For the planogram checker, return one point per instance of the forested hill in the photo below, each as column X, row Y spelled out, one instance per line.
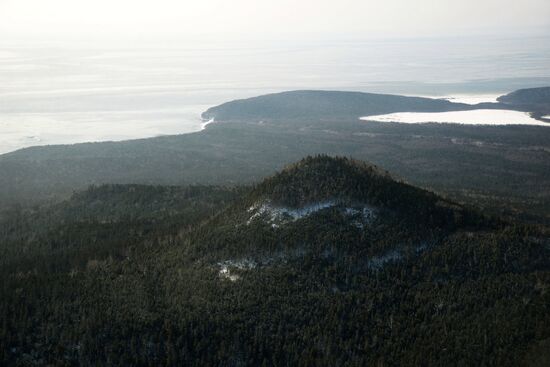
column 343, row 180
column 327, row 105
column 528, row 96
column 329, row 262
column 314, row 105
column 504, row 167
column 534, row 100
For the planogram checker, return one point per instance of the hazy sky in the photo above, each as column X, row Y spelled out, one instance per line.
column 259, row 18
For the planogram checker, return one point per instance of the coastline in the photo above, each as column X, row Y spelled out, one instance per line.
column 25, row 130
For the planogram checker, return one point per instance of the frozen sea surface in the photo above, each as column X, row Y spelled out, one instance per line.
column 58, row 92
column 24, row 129
column 473, row 117
column 472, row 98
column 466, row 98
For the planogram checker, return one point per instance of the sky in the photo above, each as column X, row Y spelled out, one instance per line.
column 265, row 18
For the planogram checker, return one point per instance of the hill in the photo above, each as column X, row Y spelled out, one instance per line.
column 331, row 261
column 348, row 193
column 533, row 100
column 346, row 181
column 529, row 96
column 324, row 105
column 502, row 167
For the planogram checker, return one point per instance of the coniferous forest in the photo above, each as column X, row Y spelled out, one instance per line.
column 247, row 183
column 330, row 262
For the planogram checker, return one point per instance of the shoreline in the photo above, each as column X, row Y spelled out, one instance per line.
column 31, row 129
column 34, row 129
column 201, row 127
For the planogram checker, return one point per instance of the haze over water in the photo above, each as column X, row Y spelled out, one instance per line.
column 62, row 93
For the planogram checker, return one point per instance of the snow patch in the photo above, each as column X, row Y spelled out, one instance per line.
column 279, row 214
column 227, row 268
column 362, row 215
column 378, row 262
column 396, row 254
column 206, row 122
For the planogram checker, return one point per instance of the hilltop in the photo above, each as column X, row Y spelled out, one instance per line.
column 331, row 197
column 339, row 178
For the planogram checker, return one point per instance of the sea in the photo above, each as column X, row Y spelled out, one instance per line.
column 66, row 92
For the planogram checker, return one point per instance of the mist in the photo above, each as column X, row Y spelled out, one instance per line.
column 218, row 19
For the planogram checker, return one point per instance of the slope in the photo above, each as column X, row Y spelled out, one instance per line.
column 329, row 262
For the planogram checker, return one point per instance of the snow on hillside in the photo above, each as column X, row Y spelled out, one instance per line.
column 278, row 215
